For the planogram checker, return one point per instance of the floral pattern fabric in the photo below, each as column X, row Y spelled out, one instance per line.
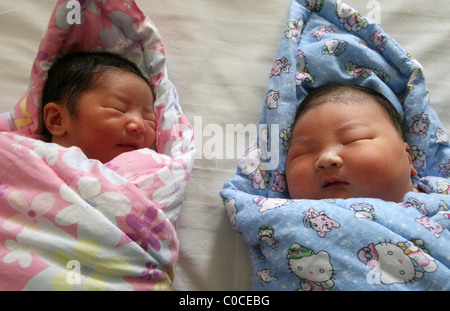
column 72, row 223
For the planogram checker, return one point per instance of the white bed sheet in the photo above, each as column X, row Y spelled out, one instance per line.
column 220, row 53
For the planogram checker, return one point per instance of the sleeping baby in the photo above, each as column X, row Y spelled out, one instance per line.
column 99, row 102
column 94, row 166
column 354, row 219
column 359, row 199
column 347, row 142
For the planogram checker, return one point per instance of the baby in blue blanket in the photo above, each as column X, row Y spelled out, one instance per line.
column 348, row 142
column 367, row 205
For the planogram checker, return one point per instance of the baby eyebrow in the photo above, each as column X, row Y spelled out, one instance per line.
column 120, row 97
column 351, row 125
column 301, row 141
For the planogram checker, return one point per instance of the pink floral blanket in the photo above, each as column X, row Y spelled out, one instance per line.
column 71, row 223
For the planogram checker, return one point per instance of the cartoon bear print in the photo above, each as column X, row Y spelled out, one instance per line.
column 319, row 32
column 420, row 125
column 280, row 67
column 279, row 182
column 319, row 221
column 267, row 235
column 431, row 225
column 379, row 40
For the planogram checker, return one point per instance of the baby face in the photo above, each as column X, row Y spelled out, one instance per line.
column 114, row 117
column 346, row 150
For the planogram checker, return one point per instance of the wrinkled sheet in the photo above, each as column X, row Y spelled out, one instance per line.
column 353, row 244
column 71, row 223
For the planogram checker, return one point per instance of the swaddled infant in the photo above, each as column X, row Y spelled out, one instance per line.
column 99, row 102
column 347, row 141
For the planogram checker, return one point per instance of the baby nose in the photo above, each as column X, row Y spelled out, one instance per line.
column 136, row 125
column 328, row 159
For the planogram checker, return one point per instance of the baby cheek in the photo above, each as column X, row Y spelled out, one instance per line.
column 150, row 138
column 377, row 165
column 298, row 179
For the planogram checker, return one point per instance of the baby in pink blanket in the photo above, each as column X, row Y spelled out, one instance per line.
column 96, row 158
column 99, row 102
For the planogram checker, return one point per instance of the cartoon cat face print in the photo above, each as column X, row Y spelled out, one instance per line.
column 314, row 270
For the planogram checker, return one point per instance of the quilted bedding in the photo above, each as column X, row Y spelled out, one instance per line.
column 71, row 223
column 336, row 244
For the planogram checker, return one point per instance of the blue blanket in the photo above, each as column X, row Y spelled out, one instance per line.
column 336, row 244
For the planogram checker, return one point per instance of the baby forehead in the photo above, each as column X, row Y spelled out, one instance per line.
column 355, row 105
column 350, row 97
column 342, row 116
column 360, row 102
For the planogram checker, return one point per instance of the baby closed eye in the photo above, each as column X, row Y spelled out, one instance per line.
column 300, row 150
column 356, row 140
column 116, row 107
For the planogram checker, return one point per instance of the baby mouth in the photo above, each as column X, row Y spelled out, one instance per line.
column 129, row 146
column 333, row 182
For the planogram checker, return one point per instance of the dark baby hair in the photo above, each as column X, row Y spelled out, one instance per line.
column 78, row 72
column 338, row 91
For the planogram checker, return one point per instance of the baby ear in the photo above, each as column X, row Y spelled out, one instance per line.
column 408, row 153
column 54, row 119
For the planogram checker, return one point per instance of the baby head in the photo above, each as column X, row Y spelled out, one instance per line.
column 347, row 142
column 99, row 102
